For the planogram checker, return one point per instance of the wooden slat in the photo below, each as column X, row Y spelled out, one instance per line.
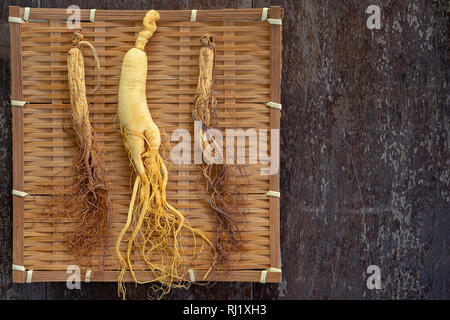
column 111, row 276
column 17, row 126
column 57, row 130
column 275, row 114
column 166, row 15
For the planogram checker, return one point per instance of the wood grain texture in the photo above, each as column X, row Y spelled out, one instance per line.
column 364, row 113
column 17, row 126
column 365, row 153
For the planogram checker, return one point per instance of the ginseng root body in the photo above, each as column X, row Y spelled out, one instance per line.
column 154, row 226
column 221, row 179
column 87, row 201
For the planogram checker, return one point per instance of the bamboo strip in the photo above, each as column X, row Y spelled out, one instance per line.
column 275, row 114
column 18, row 163
column 253, row 15
column 111, row 276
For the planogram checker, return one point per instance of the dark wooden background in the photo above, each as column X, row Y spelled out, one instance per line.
column 365, row 153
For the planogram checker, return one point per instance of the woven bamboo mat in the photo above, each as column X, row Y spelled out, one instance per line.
column 247, row 75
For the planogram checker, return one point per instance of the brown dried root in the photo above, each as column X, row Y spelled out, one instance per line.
column 226, row 200
column 88, row 200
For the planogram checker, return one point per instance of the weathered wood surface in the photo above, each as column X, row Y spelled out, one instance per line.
column 365, row 154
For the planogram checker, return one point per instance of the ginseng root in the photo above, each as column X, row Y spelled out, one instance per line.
column 88, row 200
column 226, row 200
column 154, row 225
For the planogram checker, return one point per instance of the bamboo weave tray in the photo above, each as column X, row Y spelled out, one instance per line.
column 248, row 75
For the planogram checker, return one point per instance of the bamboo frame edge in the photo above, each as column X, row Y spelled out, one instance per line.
column 18, row 156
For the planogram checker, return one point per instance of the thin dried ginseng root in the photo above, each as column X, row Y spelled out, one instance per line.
column 221, row 180
column 153, row 226
column 87, row 199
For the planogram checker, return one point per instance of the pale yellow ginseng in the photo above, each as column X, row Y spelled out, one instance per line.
column 154, row 226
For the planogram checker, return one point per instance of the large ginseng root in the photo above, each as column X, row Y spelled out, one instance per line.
column 88, row 200
column 154, row 226
column 226, row 199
